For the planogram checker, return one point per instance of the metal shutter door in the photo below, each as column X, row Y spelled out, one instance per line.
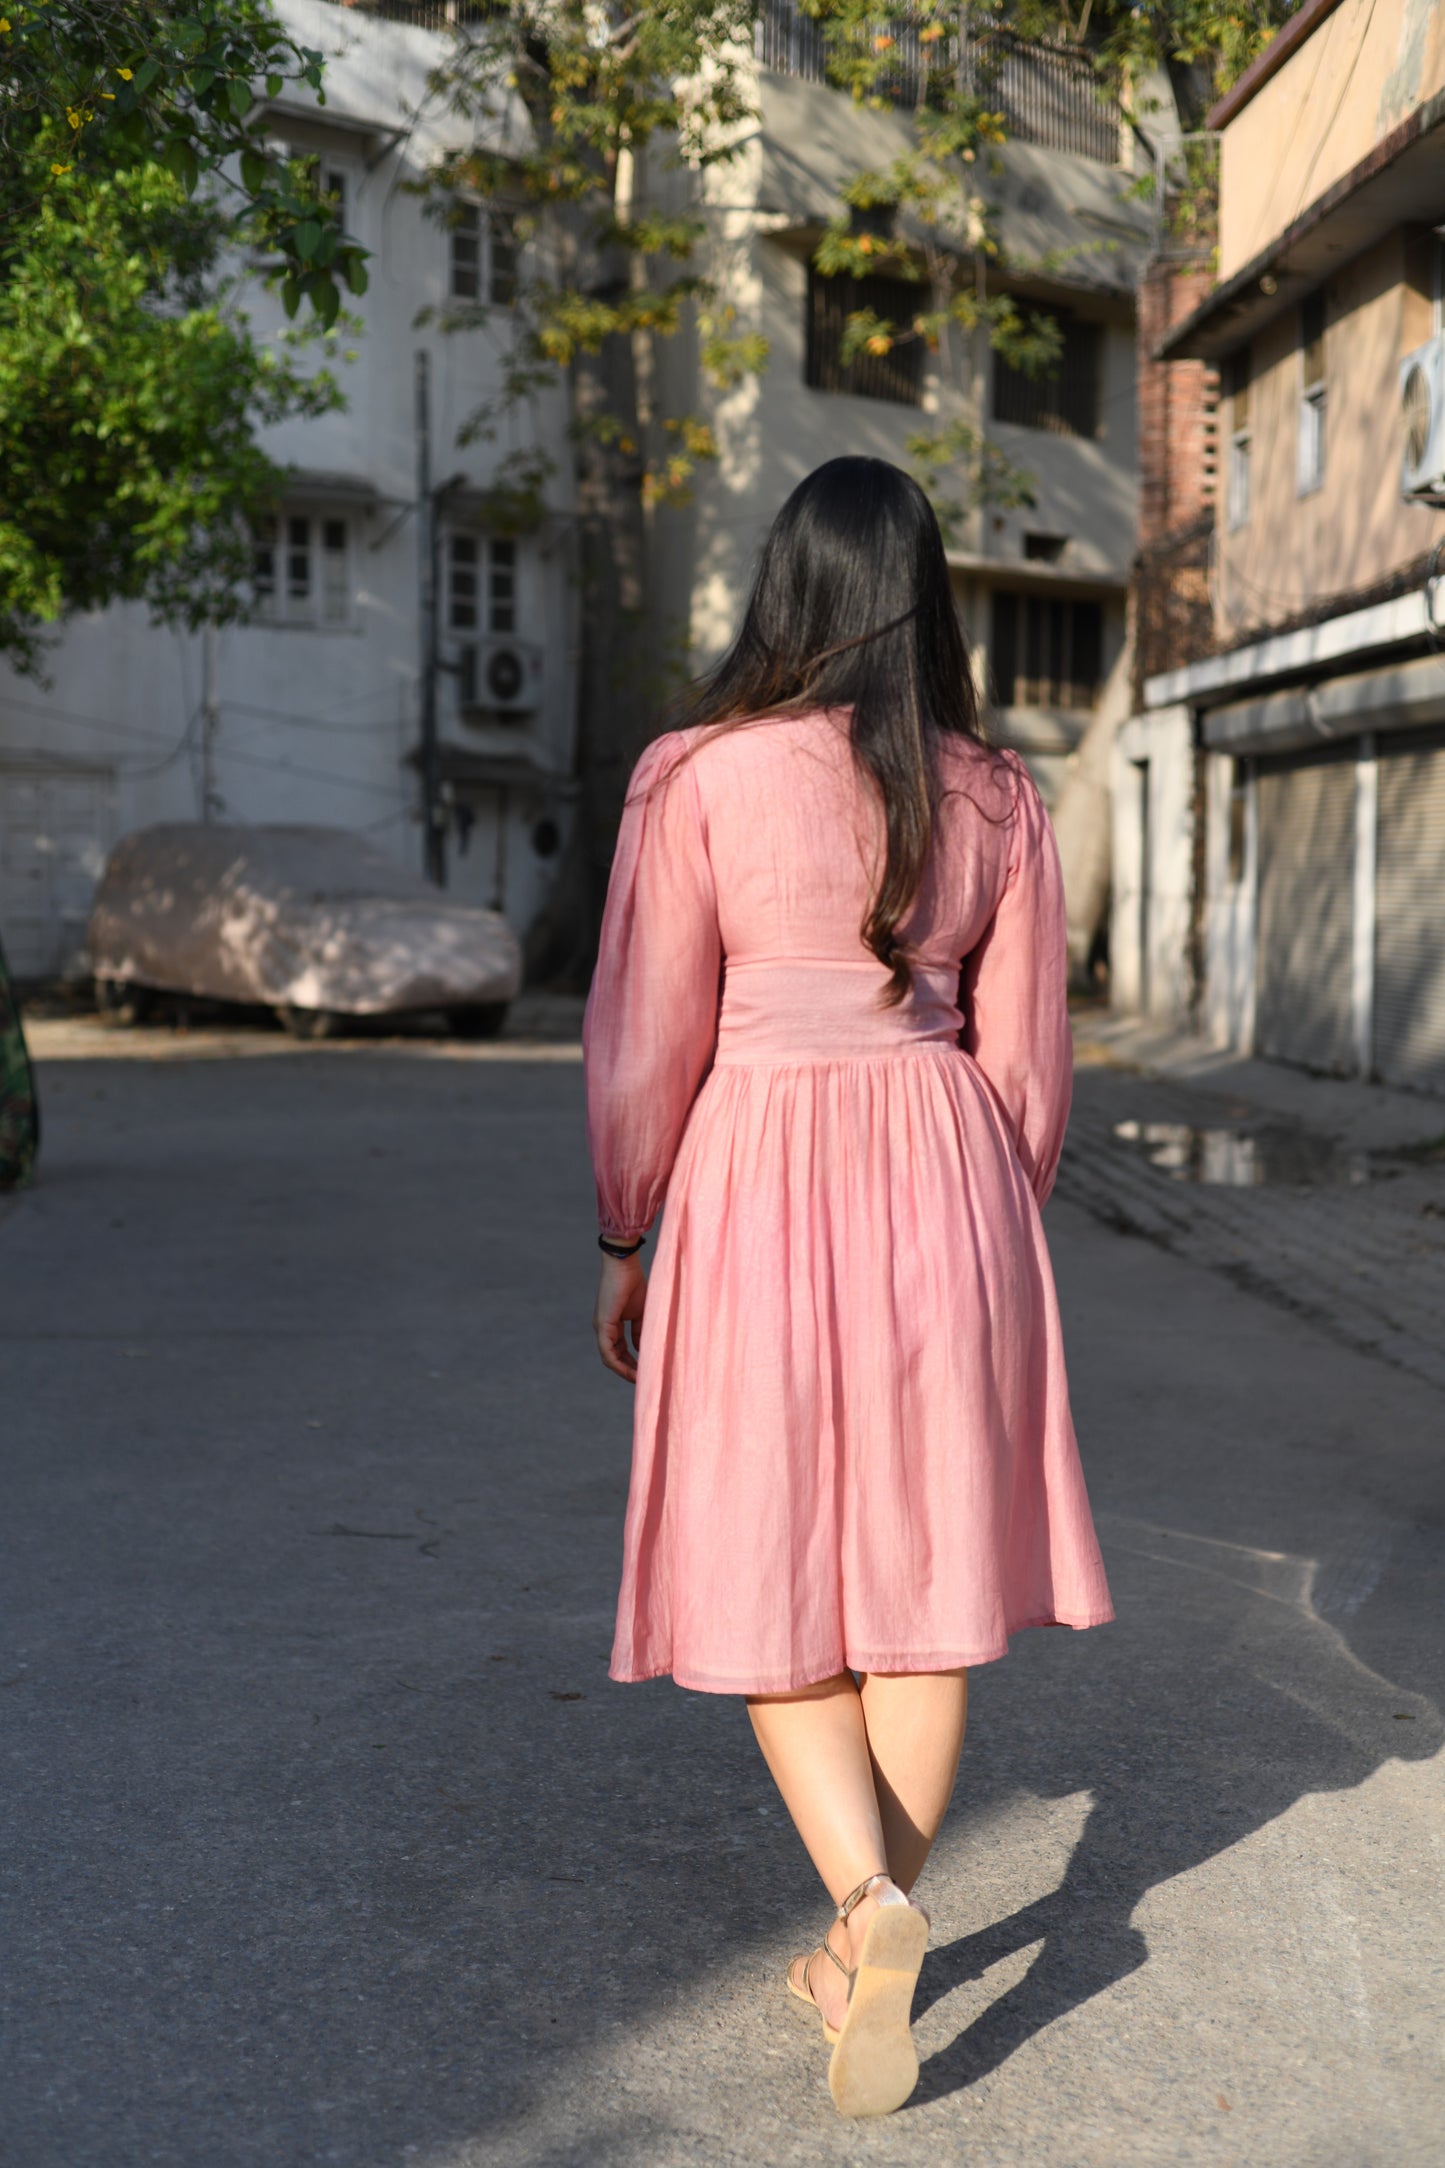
column 1410, row 920
column 1306, row 914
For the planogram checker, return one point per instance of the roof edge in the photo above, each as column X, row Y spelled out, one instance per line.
column 1286, row 40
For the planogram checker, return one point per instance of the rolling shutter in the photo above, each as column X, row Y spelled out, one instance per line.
column 1410, row 920
column 1306, row 914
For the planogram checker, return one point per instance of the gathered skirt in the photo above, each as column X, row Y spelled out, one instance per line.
column 852, row 1438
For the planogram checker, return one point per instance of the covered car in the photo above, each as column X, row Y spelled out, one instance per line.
column 318, row 924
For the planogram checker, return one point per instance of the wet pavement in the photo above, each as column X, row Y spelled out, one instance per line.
column 328, row 1840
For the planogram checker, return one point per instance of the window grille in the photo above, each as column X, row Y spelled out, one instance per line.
column 1047, row 650
column 466, row 252
column 896, row 375
column 1311, row 471
column 1066, row 403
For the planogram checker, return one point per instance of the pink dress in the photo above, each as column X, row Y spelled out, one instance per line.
column 852, row 1440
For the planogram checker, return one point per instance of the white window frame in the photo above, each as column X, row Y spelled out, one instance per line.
column 482, row 584
column 492, row 234
column 1310, row 449
column 304, row 569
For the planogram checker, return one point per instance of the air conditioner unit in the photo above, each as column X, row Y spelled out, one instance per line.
column 499, row 680
column 1422, row 413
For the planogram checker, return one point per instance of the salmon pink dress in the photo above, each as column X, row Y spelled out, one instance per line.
column 852, row 1442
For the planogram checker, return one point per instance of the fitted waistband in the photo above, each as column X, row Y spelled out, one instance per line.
column 829, row 1011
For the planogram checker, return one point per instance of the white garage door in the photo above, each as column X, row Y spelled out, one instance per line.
column 56, row 827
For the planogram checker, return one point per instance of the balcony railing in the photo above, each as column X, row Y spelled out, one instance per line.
column 1047, row 94
column 426, row 14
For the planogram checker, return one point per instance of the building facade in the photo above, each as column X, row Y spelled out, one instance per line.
column 1042, row 591
column 311, row 712
column 1280, row 790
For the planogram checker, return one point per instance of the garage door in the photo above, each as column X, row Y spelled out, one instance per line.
column 55, row 830
column 1410, row 919
column 1306, row 914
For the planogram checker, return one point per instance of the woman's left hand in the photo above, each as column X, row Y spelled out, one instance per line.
column 621, row 1298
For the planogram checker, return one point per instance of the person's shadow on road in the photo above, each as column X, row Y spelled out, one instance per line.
column 1287, row 1706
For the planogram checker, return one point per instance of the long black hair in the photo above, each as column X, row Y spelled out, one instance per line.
column 852, row 608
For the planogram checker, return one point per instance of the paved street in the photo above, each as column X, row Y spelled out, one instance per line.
column 329, row 1841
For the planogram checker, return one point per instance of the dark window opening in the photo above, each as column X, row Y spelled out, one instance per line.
column 1047, row 651
column 1065, row 403
column 896, row 375
column 1045, row 549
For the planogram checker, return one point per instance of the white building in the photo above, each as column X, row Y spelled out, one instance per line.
column 312, row 712
column 1042, row 591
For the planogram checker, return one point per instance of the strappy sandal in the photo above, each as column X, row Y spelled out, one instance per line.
column 874, row 2066
column 805, row 1992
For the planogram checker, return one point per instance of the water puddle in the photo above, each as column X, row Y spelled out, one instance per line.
column 1244, row 1159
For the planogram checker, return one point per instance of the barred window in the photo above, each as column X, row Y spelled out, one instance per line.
column 1047, row 650
column 1066, row 403
column 1241, row 438
column 1311, row 462
column 896, row 375
column 481, row 583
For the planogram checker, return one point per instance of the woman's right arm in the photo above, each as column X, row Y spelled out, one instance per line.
column 650, row 1027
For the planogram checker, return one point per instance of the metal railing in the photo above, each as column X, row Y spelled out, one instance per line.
column 425, row 14
column 1048, row 94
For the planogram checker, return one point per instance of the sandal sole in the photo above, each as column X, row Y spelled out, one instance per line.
column 875, row 2064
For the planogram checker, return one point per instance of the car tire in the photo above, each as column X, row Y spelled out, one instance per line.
column 483, row 1021
column 310, row 1024
column 121, row 1001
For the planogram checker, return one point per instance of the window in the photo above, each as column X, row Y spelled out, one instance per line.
column 1066, row 403
column 1312, row 394
column 482, row 583
column 1046, row 652
column 301, row 569
column 1046, row 549
column 1238, row 821
column 1237, row 485
column 896, row 375
column 483, row 255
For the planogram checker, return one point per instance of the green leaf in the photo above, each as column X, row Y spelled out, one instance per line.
column 357, row 276
column 290, row 295
column 145, row 75
column 253, row 172
column 274, row 85
column 238, row 94
column 306, row 239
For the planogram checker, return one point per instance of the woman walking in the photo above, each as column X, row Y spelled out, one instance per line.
column 854, row 1470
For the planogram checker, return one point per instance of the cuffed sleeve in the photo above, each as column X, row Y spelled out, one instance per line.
column 650, row 1027
column 1016, row 1022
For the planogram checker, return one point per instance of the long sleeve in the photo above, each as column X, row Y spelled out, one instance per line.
column 1016, row 1023
column 650, row 1027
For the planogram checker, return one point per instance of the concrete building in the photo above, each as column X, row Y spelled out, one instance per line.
column 311, row 713
column 1280, row 793
column 1042, row 591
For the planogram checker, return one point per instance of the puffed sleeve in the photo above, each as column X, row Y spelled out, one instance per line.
column 650, row 1027
column 1016, row 1016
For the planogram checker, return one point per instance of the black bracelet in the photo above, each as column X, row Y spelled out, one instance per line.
column 618, row 1249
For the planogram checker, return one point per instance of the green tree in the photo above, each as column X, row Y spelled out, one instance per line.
column 134, row 171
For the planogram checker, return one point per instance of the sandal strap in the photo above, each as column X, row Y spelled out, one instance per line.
column 826, row 1946
column 855, row 1897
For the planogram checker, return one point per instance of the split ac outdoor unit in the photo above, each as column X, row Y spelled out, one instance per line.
column 499, row 680
column 1422, row 414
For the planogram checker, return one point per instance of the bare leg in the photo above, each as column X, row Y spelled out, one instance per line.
column 915, row 1726
column 815, row 1743
column 866, row 1778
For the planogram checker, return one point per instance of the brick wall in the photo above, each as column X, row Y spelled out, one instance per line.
column 1178, row 462
column 1177, row 407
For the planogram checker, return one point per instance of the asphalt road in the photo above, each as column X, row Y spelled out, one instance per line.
column 328, row 1840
